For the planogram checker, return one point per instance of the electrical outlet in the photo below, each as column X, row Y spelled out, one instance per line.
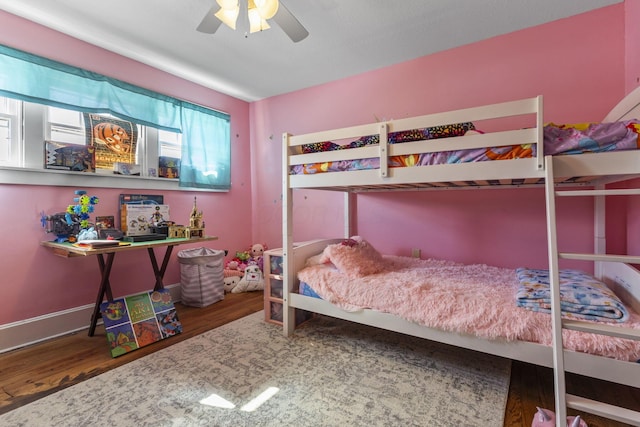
column 415, row 253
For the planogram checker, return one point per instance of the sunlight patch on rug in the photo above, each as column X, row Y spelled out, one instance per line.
column 246, row 373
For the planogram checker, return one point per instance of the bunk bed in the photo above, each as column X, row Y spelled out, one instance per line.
column 498, row 145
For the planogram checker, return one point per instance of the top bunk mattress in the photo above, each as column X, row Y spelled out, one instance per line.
column 503, row 144
column 564, row 139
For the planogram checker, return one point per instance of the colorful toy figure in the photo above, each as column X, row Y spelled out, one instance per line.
column 69, row 224
column 58, row 225
column 547, row 418
column 196, row 224
column 82, row 208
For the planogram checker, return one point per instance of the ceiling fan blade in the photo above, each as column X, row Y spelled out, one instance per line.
column 289, row 24
column 210, row 23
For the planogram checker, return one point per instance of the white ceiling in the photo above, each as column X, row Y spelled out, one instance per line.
column 347, row 37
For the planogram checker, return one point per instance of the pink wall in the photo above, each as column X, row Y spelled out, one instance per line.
column 564, row 60
column 632, row 47
column 632, row 72
column 35, row 282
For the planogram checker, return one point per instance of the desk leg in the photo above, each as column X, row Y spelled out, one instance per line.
column 159, row 272
column 105, row 288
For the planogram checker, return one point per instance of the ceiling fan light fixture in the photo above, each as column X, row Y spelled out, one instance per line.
column 258, row 12
column 256, row 21
column 228, row 16
column 228, row 4
column 267, row 8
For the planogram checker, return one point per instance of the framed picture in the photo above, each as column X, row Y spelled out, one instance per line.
column 70, row 157
column 168, row 167
column 106, row 221
column 113, row 140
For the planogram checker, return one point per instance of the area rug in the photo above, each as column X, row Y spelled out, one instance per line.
column 246, row 373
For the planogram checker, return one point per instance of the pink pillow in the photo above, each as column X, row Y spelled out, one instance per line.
column 356, row 258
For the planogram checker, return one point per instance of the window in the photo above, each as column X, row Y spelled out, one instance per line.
column 10, row 119
column 67, row 127
column 50, row 102
column 170, row 144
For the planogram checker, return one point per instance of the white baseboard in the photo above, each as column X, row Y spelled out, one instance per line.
column 30, row 331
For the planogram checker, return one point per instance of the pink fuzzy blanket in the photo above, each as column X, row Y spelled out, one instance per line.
column 470, row 299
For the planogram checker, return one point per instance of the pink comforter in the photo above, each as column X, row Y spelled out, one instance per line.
column 470, row 299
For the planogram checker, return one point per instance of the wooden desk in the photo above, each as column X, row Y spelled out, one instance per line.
column 67, row 250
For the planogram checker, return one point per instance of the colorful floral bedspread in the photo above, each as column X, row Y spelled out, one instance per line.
column 582, row 297
column 558, row 139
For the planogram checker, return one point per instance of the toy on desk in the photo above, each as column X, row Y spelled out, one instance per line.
column 69, row 224
column 87, row 234
column 138, row 225
column 194, row 229
column 176, row 231
column 157, row 219
column 82, row 208
column 58, row 225
column 196, row 224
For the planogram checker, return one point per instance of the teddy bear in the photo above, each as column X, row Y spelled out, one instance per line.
column 253, row 280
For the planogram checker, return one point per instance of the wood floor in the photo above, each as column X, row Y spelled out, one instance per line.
column 33, row 372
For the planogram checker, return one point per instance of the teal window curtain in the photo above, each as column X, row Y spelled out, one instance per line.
column 205, row 162
column 36, row 79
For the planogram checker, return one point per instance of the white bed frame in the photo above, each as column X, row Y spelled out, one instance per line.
column 585, row 175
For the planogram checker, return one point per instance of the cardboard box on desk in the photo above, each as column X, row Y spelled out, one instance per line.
column 138, row 219
column 136, row 199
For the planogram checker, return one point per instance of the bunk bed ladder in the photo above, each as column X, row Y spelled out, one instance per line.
column 563, row 400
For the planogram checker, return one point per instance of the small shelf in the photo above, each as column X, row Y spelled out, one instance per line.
column 274, row 290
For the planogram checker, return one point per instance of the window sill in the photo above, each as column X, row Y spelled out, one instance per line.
column 23, row 176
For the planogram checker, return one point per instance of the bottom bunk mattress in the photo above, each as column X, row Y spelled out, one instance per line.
column 477, row 300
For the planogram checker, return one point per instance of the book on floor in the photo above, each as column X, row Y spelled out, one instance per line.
column 138, row 320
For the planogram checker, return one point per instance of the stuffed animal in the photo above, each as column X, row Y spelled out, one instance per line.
column 230, row 282
column 252, row 280
column 239, row 261
column 232, row 265
column 87, row 234
column 256, row 252
column 232, row 275
column 547, row 418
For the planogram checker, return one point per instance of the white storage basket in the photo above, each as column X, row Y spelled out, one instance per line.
column 201, row 276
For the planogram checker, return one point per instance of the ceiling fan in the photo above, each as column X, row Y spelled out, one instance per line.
column 257, row 12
